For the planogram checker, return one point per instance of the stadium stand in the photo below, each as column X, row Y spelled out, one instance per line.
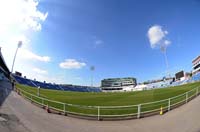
column 161, row 84
column 75, row 88
column 196, row 77
column 5, row 84
column 3, row 67
column 167, row 83
column 44, row 85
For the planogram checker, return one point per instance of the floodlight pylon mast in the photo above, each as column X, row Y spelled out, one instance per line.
column 18, row 46
column 92, row 68
column 164, row 51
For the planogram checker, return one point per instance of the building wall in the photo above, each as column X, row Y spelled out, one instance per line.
column 196, row 65
column 118, row 83
column 196, row 60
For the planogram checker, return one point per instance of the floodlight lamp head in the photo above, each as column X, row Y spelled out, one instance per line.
column 92, row 68
column 19, row 44
column 163, row 48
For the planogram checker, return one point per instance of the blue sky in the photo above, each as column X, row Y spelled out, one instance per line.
column 111, row 35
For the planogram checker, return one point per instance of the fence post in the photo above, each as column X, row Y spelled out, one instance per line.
column 99, row 113
column 169, row 103
column 186, row 97
column 139, row 110
column 197, row 91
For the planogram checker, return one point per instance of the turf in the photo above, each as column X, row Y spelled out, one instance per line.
column 113, row 99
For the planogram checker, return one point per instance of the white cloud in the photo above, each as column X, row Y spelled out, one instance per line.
column 167, row 42
column 72, row 64
column 98, row 42
column 26, row 54
column 20, row 37
column 19, row 20
column 157, row 37
column 39, row 71
column 45, row 77
column 20, row 15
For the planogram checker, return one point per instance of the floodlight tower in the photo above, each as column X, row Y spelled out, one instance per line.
column 92, row 68
column 18, row 46
column 163, row 49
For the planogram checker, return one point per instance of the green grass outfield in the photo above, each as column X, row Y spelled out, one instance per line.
column 113, row 99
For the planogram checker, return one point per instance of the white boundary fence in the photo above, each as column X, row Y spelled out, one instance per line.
column 112, row 112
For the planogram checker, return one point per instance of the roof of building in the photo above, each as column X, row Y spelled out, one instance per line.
column 198, row 57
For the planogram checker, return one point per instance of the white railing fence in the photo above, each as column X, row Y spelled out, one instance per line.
column 112, row 112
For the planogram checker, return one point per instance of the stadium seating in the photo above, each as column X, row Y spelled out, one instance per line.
column 34, row 83
column 24, row 81
column 161, row 84
column 196, row 77
column 81, row 88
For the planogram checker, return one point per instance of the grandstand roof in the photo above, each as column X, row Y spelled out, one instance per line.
column 3, row 65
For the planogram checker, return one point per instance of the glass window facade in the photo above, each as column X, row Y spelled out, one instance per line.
column 117, row 83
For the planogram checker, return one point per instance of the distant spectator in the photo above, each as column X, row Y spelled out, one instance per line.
column 13, row 84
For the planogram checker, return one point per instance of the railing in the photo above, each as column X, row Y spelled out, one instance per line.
column 113, row 112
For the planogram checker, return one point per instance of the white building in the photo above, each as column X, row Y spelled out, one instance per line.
column 196, row 65
column 118, row 84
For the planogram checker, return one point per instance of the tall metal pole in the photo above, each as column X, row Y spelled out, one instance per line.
column 18, row 46
column 167, row 64
column 164, row 51
column 92, row 68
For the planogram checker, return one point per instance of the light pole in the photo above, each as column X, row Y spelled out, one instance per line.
column 18, row 46
column 92, row 68
column 164, row 51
